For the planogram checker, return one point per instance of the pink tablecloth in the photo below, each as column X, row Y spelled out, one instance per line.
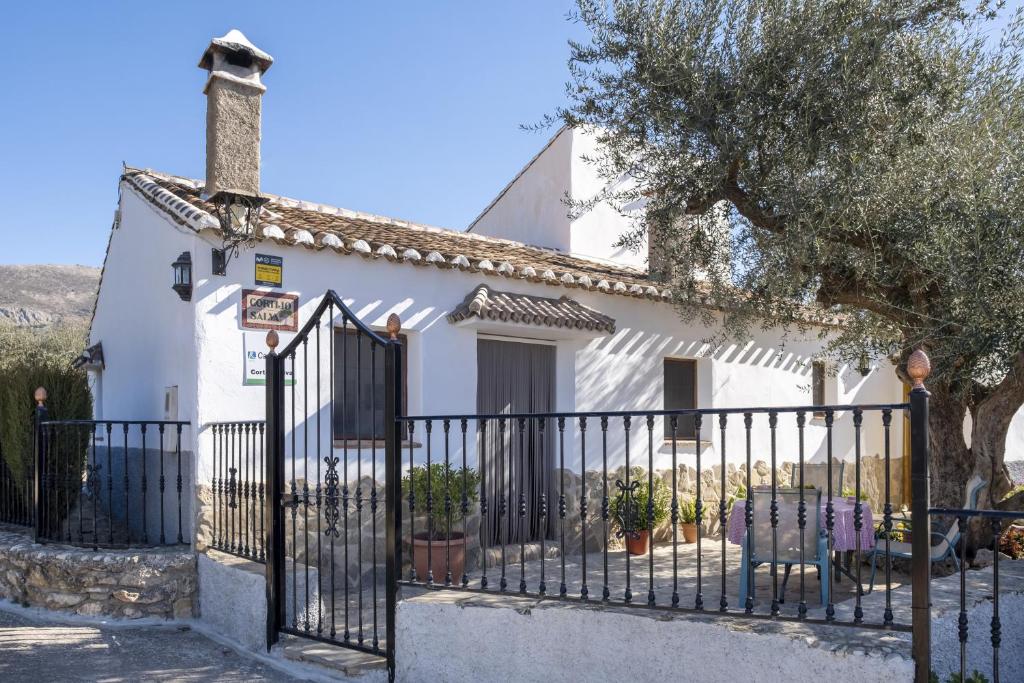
column 844, row 533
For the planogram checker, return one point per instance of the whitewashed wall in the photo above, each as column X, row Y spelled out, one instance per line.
column 621, row 372
column 532, row 208
column 147, row 331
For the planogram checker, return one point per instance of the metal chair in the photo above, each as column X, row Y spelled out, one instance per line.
column 787, row 533
column 816, row 475
column 941, row 551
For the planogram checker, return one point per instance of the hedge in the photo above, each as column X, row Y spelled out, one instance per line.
column 32, row 359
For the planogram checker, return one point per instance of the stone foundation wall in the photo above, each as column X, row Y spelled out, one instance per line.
column 159, row 582
column 309, row 526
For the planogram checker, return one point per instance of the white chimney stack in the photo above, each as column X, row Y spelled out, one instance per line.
column 233, row 100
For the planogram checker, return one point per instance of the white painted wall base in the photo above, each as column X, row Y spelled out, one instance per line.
column 491, row 638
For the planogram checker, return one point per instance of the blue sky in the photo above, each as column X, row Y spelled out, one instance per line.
column 407, row 109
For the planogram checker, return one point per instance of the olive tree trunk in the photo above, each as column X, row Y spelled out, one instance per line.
column 954, row 461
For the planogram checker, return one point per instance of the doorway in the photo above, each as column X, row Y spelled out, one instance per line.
column 516, row 378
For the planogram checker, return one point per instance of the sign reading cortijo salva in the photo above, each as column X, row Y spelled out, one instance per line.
column 270, row 310
column 269, row 270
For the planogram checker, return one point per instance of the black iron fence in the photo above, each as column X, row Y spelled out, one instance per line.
column 15, row 493
column 995, row 522
column 111, row 483
column 238, row 492
column 574, row 506
column 100, row 483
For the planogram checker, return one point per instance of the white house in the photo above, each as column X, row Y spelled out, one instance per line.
column 525, row 311
column 521, row 273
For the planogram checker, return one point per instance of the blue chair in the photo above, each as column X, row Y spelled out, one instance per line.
column 759, row 551
column 941, row 551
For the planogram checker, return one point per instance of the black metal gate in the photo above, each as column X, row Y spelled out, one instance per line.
column 333, row 393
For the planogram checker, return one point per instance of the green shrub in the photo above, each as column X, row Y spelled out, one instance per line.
column 444, row 479
column 739, row 494
column 850, row 492
column 688, row 510
column 33, row 359
column 661, row 498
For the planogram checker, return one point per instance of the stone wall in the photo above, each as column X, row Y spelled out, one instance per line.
column 311, row 527
column 155, row 582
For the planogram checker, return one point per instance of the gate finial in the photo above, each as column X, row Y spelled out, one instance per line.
column 272, row 339
column 394, row 325
column 918, row 368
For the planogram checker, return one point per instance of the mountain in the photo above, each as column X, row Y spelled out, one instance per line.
column 40, row 295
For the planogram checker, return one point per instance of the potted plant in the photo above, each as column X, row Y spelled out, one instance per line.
column 688, row 519
column 442, row 534
column 630, row 508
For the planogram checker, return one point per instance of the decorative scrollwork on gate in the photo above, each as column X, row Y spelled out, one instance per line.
column 331, row 514
column 232, row 489
column 627, row 511
column 92, row 481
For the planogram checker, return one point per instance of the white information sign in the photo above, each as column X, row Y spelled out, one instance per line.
column 256, row 361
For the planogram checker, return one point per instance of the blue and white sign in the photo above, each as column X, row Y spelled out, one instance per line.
column 256, row 362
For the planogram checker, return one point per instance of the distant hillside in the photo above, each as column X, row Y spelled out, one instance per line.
column 37, row 296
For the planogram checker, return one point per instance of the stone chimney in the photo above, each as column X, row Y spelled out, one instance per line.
column 233, row 99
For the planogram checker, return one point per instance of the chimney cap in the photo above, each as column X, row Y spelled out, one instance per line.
column 234, row 42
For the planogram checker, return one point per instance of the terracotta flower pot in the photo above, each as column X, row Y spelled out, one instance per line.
column 636, row 544
column 439, row 552
column 689, row 532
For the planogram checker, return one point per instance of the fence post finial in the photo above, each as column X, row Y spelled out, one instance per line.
column 918, row 368
column 273, row 340
column 394, row 325
column 40, row 396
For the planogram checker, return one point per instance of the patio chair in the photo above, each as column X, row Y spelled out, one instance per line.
column 816, row 475
column 788, row 537
column 941, row 551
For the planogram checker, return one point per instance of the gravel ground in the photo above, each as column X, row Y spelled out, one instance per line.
column 35, row 651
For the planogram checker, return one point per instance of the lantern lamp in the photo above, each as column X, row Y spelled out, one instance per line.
column 864, row 366
column 182, row 267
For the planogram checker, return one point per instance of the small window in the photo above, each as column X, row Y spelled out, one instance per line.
column 359, row 385
column 680, row 379
column 818, row 386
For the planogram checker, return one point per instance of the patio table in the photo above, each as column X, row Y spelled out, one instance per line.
column 844, row 533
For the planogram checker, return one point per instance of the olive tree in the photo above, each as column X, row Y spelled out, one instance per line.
column 866, row 157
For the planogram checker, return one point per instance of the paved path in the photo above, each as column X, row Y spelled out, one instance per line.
column 34, row 651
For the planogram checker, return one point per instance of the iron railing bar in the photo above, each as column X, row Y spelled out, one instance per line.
column 773, row 422
column 699, row 513
column 858, row 514
column 870, row 407
column 584, row 590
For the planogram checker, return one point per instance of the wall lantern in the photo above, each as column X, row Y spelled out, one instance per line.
column 182, row 267
column 239, row 217
column 864, row 365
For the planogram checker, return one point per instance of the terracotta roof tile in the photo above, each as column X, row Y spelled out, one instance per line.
column 314, row 226
column 488, row 304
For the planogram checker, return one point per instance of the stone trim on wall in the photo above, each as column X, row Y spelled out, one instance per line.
column 129, row 584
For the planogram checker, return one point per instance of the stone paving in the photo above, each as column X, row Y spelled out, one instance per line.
column 639, row 570
column 32, row 651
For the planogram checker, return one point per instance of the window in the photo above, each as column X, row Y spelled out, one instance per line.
column 359, row 385
column 680, row 392
column 818, row 386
